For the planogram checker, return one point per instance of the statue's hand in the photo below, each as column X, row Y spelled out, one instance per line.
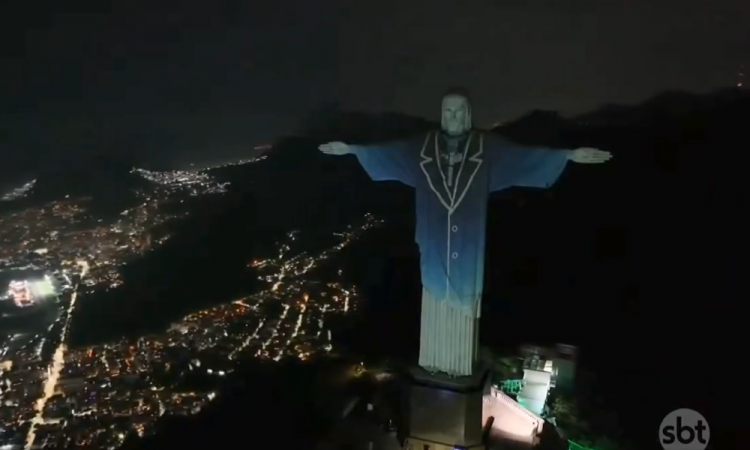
column 335, row 148
column 587, row 155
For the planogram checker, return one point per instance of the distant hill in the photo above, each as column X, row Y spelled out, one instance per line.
column 536, row 127
column 672, row 104
column 107, row 181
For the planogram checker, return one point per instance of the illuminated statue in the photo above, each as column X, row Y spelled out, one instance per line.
column 454, row 170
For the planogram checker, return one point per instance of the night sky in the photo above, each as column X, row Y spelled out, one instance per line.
column 209, row 80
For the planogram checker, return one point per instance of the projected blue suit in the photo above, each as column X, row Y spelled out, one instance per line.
column 451, row 200
column 453, row 171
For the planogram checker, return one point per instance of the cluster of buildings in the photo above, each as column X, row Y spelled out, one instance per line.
column 38, row 373
column 194, row 183
column 57, row 234
column 100, row 396
column 23, row 371
column 38, row 236
column 53, row 237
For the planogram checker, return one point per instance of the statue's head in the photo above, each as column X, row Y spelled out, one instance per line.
column 456, row 117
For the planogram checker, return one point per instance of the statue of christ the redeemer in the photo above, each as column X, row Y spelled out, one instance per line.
column 453, row 171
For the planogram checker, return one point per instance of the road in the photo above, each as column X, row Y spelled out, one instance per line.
column 58, row 362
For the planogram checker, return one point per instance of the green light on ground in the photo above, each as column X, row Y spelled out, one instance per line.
column 574, row 446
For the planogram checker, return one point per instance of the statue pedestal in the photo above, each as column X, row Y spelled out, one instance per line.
column 445, row 413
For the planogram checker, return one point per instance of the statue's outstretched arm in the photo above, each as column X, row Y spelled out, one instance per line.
column 390, row 161
column 512, row 164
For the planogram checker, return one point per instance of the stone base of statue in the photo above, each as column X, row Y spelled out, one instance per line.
column 445, row 413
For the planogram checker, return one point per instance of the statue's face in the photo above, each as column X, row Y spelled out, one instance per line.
column 456, row 118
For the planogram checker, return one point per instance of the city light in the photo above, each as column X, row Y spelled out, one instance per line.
column 53, row 373
column 66, row 243
column 19, row 192
column 80, row 399
column 194, row 182
column 54, row 395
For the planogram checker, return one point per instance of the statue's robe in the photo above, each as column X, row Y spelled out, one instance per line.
column 451, row 208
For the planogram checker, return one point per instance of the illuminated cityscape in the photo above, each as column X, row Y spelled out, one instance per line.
column 53, row 396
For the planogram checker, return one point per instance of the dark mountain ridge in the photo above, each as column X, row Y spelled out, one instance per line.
column 670, row 104
column 107, row 181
